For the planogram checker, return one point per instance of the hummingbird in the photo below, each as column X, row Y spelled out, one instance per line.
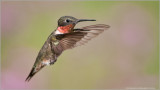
column 64, row 37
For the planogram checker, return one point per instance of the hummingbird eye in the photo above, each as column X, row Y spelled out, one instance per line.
column 67, row 20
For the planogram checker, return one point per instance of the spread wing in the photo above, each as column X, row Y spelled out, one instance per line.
column 81, row 36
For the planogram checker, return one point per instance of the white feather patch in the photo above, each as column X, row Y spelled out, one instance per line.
column 46, row 62
column 57, row 32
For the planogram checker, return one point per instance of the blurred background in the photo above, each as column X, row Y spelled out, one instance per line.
column 125, row 56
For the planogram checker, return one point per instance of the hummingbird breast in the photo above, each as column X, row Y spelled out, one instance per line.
column 65, row 29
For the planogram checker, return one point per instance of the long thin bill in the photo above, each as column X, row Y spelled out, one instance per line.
column 81, row 20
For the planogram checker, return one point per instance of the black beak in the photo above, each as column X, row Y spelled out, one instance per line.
column 81, row 20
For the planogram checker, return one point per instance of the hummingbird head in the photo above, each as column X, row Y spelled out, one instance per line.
column 67, row 23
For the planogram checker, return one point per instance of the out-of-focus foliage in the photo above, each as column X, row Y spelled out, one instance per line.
column 125, row 56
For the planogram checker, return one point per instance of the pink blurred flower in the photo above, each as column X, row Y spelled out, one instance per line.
column 12, row 80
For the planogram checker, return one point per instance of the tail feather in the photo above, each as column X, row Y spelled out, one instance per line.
column 32, row 73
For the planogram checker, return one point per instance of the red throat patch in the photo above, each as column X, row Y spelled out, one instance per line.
column 65, row 29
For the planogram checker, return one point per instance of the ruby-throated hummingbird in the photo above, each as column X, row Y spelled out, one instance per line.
column 64, row 37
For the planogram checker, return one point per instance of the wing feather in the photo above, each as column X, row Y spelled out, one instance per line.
column 81, row 36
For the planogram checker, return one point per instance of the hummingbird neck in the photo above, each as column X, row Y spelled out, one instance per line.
column 64, row 29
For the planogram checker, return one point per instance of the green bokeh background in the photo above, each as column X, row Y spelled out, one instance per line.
column 125, row 56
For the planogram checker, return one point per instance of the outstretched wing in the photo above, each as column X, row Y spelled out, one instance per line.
column 81, row 36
